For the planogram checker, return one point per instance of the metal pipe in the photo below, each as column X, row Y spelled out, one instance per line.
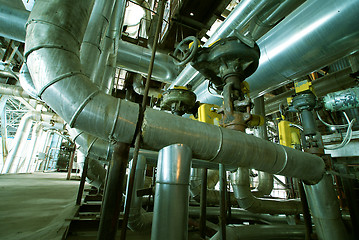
column 26, row 82
column 112, row 199
column 13, row 21
column 203, row 203
column 342, row 100
column 267, row 232
column 117, row 119
column 138, row 219
column 12, row 90
column 222, row 202
column 139, row 88
column 173, row 171
column 241, row 188
column 237, row 19
column 324, row 206
column 136, row 59
column 21, row 135
column 94, row 35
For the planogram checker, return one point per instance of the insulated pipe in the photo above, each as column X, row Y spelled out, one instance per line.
column 136, row 59
column 21, row 135
column 324, row 31
column 234, row 23
column 26, row 82
column 139, row 220
column 12, row 90
column 13, row 21
column 265, row 232
column 106, row 66
column 342, row 100
column 173, row 171
column 246, row 200
column 324, row 206
column 56, row 70
column 139, row 88
column 95, row 32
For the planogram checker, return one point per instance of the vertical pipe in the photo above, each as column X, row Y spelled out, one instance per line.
column 71, row 163
column 323, row 203
column 222, row 201
column 203, row 204
column 82, row 182
column 170, row 219
column 112, row 199
column 306, row 213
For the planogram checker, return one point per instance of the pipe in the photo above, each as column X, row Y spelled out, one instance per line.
column 139, row 220
column 56, row 72
column 12, row 90
column 342, row 100
column 139, row 88
column 267, row 232
column 112, row 199
column 325, row 32
column 324, row 206
column 26, row 82
column 237, row 19
column 173, row 171
column 107, row 63
column 324, row 36
column 13, row 21
column 21, row 135
column 136, row 59
column 241, row 188
column 93, row 38
column 266, row 20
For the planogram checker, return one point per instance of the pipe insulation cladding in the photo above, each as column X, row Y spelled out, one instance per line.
column 54, row 33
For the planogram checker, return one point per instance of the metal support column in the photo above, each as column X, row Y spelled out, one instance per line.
column 71, row 163
column 222, row 201
column 3, row 100
column 112, row 199
column 203, row 204
column 82, row 182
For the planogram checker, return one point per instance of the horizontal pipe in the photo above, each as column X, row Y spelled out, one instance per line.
column 342, row 100
column 13, row 21
column 12, row 90
column 246, row 200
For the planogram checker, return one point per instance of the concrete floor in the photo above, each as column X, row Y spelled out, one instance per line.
column 35, row 206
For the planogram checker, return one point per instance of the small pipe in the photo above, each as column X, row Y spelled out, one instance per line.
column 112, row 199
column 203, row 204
column 173, row 172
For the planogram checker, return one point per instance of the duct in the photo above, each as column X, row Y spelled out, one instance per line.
column 342, row 100
column 265, row 20
column 12, row 161
column 173, row 171
column 266, row 232
column 139, row 220
column 107, row 63
column 136, row 59
column 13, row 21
column 340, row 80
column 139, row 88
column 95, row 32
column 26, row 82
column 237, row 19
column 324, row 206
column 241, row 188
column 12, row 90
column 56, row 71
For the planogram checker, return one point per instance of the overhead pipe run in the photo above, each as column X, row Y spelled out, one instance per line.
column 56, row 70
column 12, row 90
column 246, row 200
column 172, row 185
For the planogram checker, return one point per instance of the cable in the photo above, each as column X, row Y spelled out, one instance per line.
column 213, row 94
column 335, row 126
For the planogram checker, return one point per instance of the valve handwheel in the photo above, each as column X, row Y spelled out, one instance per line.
column 183, row 53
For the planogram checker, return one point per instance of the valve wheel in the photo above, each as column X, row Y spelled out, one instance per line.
column 183, row 53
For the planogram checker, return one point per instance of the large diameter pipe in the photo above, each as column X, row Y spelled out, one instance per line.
column 12, row 90
column 324, row 206
column 13, row 21
column 56, row 70
column 313, row 36
column 342, row 100
column 172, row 187
column 239, row 17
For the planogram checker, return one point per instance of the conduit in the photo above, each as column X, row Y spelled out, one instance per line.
column 54, row 33
column 242, row 192
column 12, row 161
column 172, row 183
column 139, row 220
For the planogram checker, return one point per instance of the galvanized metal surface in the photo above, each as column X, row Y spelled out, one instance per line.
column 172, row 189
